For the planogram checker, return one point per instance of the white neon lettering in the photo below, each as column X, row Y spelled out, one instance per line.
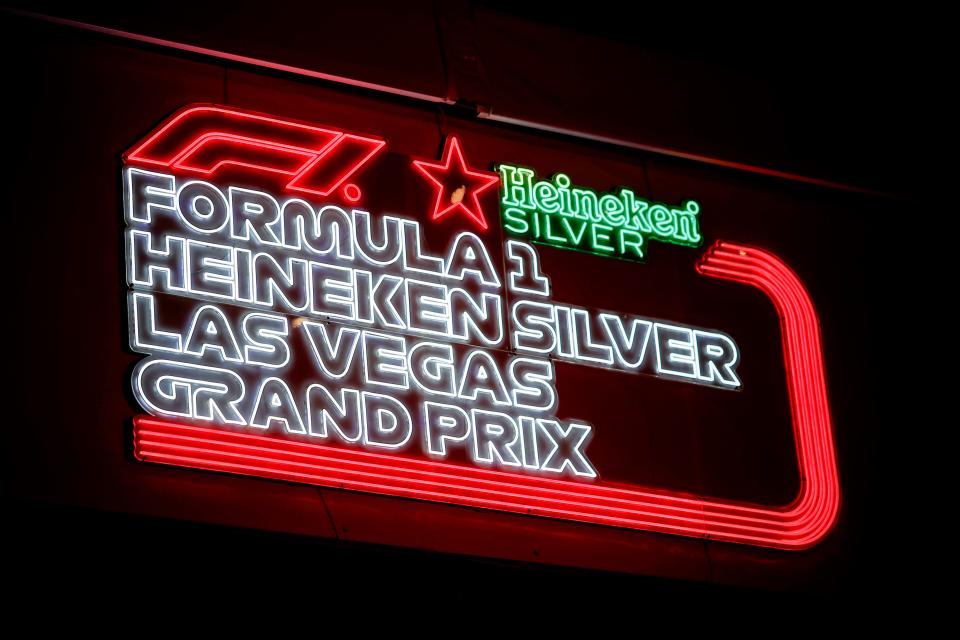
column 286, row 317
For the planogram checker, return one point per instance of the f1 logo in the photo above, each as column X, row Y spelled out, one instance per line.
column 206, row 139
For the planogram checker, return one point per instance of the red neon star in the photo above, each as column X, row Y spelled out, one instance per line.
column 456, row 185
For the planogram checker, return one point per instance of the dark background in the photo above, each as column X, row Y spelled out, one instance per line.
column 831, row 97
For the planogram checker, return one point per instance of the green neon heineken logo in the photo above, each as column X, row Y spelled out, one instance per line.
column 556, row 213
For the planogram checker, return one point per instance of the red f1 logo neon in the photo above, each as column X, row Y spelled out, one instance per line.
column 802, row 523
column 203, row 139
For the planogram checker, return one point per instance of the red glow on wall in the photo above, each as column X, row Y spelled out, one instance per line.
column 205, row 139
column 800, row 524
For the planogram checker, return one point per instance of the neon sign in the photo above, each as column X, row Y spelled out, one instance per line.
column 557, row 213
column 291, row 337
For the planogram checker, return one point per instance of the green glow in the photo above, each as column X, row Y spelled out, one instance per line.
column 561, row 214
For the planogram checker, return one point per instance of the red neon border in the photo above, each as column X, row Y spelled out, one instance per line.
column 798, row 525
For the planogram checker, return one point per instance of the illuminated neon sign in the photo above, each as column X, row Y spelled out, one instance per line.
column 290, row 336
column 560, row 214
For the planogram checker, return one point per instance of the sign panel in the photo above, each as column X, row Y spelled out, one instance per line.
column 294, row 331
